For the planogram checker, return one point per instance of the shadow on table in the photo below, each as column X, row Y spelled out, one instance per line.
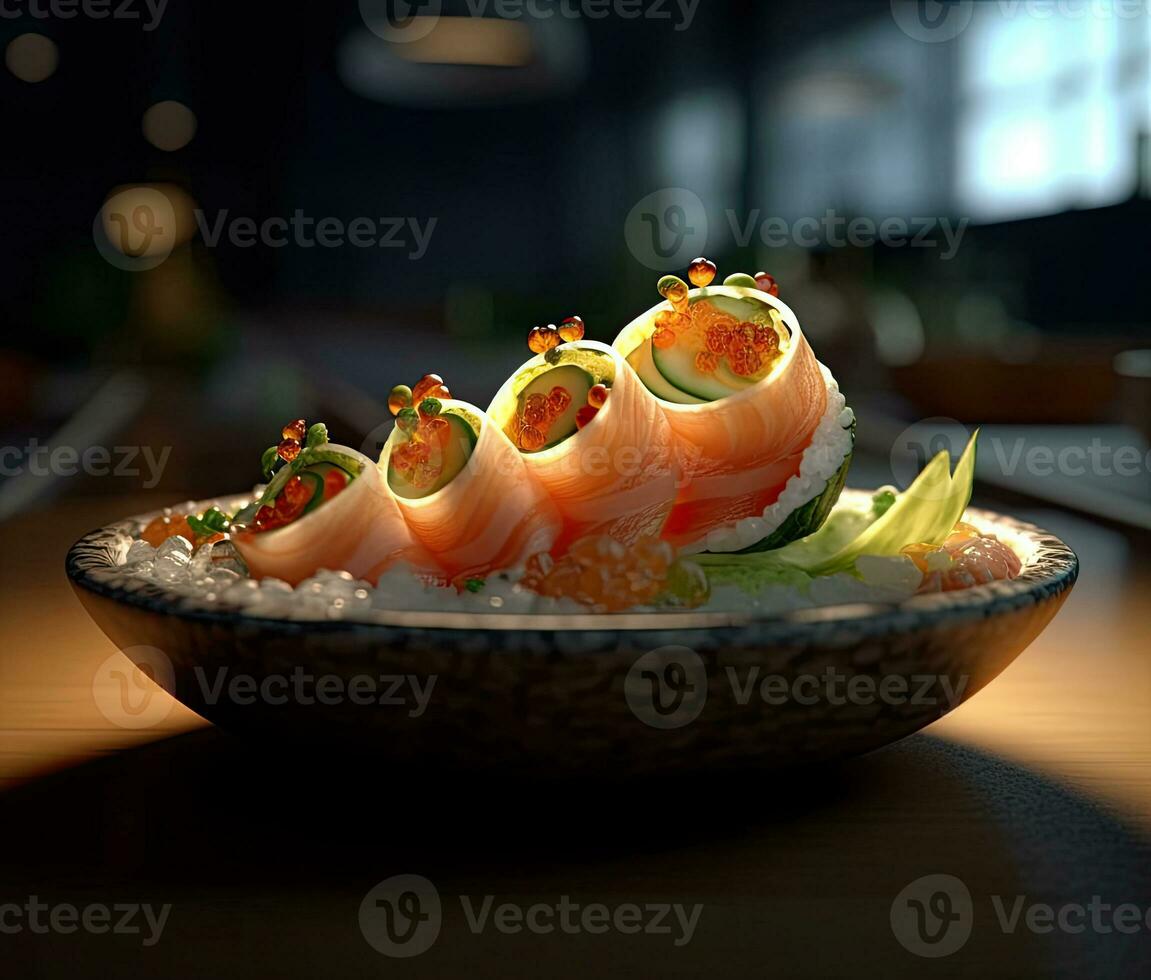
column 266, row 860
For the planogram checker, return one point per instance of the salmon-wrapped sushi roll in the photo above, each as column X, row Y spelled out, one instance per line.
column 327, row 508
column 593, row 436
column 762, row 432
column 461, row 485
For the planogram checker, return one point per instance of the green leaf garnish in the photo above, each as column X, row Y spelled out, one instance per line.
column 474, row 584
column 317, row 435
column 212, row 521
column 268, row 461
column 882, row 500
column 925, row 512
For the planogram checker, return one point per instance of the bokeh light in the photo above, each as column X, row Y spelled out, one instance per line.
column 169, row 125
column 32, row 57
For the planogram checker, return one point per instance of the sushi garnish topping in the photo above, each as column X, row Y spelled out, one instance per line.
column 600, row 572
column 767, row 283
column 532, row 425
column 543, row 339
column 585, row 415
column 750, row 347
column 430, row 386
column 701, row 272
column 674, row 290
column 288, row 449
column 571, row 329
column 419, row 455
column 399, row 398
column 966, row 558
column 597, row 396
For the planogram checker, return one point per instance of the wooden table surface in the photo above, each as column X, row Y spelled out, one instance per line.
column 1040, row 786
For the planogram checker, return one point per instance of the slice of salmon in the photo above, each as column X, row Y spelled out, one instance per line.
column 360, row 531
column 736, row 454
column 493, row 515
column 615, row 476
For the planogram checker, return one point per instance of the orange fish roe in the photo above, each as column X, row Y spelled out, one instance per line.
column 701, row 272
column 543, row 339
column 706, row 362
column 965, row 559
column 429, row 386
column 767, row 283
column 599, row 572
column 419, row 454
column 749, row 347
column 571, row 329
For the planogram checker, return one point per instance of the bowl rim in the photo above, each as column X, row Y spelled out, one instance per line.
column 1051, row 570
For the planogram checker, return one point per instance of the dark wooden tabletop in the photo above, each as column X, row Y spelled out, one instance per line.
column 1039, row 787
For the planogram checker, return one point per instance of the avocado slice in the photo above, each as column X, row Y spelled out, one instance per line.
column 457, row 451
column 578, row 383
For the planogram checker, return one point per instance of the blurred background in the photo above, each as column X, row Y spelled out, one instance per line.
column 220, row 217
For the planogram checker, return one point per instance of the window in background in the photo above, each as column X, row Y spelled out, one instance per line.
column 860, row 122
column 1051, row 109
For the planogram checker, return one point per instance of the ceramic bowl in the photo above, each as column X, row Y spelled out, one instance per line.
column 611, row 694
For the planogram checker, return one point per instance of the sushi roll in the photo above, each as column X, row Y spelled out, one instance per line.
column 763, row 434
column 326, row 507
column 461, row 485
column 592, row 435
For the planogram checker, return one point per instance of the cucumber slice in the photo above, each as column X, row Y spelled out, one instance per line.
column 641, row 361
column 457, row 451
column 316, row 479
column 676, row 364
column 576, row 381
